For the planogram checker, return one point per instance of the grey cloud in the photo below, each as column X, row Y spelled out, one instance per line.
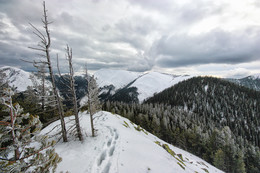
column 141, row 63
column 12, row 56
column 214, row 47
column 194, row 12
column 97, row 37
column 132, row 30
column 162, row 6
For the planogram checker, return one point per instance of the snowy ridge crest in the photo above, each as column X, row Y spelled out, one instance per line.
column 147, row 84
column 122, row 146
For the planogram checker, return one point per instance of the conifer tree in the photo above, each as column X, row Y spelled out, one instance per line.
column 17, row 132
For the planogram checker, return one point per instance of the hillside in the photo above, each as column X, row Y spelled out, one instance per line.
column 120, row 85
column 17, row 77
column 222, row 102
column 20, row 79
column 117, row 78
column 252, row 82
column 116, row 85
column 222, row 117
column 121, row 146
column 154, row 82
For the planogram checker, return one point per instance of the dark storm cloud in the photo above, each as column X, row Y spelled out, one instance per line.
column 9, row 54
column 183, row 13
column 216, row 46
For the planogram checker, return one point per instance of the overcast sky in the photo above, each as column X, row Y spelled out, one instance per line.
column 202, row 37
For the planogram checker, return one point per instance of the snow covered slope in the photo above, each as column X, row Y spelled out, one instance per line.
column 121, row 147
column 154, row 82
column 17, row 77
column 118, row 78
column 146, row 83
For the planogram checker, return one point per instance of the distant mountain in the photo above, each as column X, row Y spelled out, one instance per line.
column 17, row 78
column 252, row 81
column 20, row 79
column 117, row 78
column 120, row 85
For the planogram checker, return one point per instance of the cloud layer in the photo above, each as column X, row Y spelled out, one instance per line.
column 138, row 35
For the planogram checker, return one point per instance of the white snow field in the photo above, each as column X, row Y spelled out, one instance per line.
column 155, row 82
column 20, row 79
column 17, row 77
column 118, row 78
column 147, row 84
column 120, row 148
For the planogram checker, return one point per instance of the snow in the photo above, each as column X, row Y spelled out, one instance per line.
column 206, row 88
column 19, row 78
column 155, row 82
column 147, row 84
column 118, row 78
column 255, row 76
column 120, row 148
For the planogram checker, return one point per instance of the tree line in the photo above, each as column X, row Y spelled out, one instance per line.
column 216, row 144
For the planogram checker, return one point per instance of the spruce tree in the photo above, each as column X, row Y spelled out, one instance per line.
column 22, row 148
column 219, row 160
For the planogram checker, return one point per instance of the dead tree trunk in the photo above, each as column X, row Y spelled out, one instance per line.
column 73, row 92
column 44, row 46
column 93, row 100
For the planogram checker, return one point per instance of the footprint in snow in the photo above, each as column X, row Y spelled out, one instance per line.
column 104, row 160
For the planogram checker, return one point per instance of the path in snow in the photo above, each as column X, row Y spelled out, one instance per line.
column 104, row 160
column 120, row 147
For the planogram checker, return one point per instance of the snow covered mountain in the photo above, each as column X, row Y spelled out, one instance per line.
column 109, row 81
column 122, row 147
column 252, row 81
column 117, row 78
column 153, row 82
column 147, row 84
column 17, row 77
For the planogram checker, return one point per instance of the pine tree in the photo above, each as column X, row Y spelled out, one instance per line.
column 219, row 160
column 240, row 165
column 17, row 132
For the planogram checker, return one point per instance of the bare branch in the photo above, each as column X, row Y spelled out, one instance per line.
column 37, row 49
column 40, row 34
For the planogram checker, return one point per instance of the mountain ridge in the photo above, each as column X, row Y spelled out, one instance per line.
column 122, row 146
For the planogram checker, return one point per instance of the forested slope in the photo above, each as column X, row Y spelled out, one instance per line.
column 224, row 103
column 210, row 117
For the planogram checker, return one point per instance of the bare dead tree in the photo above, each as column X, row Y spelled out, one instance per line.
column 71, row 87
column 44, row 47
column 93, row 100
